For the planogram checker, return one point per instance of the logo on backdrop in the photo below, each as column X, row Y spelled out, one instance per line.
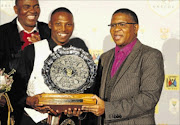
column 174, row 106
column 172, row 82
column 6, row 7
column 96, row 55
column 163, row 7
column 164, row 33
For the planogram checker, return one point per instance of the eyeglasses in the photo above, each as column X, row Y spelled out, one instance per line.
column 121, row 24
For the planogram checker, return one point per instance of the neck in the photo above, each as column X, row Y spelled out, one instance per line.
column 59, row 42
column 29, row 29
column 121, row 46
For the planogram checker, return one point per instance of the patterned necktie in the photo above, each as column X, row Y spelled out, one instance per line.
column 24, row 36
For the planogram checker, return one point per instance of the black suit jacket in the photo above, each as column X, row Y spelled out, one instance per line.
column 10, row 53
column 10, row 44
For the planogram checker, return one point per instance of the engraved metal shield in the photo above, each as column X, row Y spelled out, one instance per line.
column 69, row 70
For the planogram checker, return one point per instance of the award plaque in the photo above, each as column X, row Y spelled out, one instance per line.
column 62, row 102
column 69, row 70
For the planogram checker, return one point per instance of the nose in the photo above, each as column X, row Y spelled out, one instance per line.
column 63, row 28
column 117, row 28
column 32, row 10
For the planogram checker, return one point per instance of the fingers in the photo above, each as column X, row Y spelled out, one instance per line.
column 53, row 112
column 95, row 109
column 32, row 101
column 87, row 108
column 46, row 109
column 77, row 112
column 74, row 112
column 68, row 112
column 34, row 38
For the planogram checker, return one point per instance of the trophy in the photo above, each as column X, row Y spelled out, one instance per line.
column 62, row 102
column 68, row 72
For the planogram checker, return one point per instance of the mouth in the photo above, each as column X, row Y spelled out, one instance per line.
column 62, row 35
column 31, row 17
column 117, row 37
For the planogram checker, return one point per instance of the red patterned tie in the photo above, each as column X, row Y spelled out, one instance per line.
column 24, row 36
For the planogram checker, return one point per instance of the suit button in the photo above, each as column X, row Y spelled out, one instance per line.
column 118, row 116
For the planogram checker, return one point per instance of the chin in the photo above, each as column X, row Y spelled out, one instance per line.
column 62, row 43
column 31, row 23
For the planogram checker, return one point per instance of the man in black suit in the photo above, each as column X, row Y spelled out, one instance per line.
column 13, row 40
column 62, row 25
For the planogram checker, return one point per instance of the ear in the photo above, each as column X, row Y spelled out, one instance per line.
column 16, row 9
column 49, row 24
column 136, row 28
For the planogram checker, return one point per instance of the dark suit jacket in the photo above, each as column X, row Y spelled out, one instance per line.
column 10, row 43
column 136, row 89
column 10, row 47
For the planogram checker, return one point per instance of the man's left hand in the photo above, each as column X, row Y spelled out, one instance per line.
column 97, row 109
column 34, row 38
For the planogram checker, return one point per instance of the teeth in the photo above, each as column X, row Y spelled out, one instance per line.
column 63, row 35
column 117, row 37
column 31, row 17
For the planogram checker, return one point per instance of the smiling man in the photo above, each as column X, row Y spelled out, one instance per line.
column 62, row 25
column 28, row 13
column 129, row 77
column 17, row 34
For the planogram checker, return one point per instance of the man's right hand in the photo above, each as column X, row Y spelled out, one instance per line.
column 34, row 103
column 2, row 101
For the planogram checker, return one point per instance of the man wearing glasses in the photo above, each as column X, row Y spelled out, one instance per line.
column 130, row 76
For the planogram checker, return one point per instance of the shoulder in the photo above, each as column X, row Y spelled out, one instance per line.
column 9, row 24
column 6, row 26
column 9, row 32
column 79, row 43
column 42, row 24
column 150, row 56
column 108, row 53
column 44, row 30
column 150, row 51
column 75, row 41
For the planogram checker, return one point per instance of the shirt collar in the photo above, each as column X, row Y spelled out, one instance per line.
column 20, row 28
column 126, row 49
column 53, row 45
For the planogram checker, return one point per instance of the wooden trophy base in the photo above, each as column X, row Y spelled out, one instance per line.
column 62, row 102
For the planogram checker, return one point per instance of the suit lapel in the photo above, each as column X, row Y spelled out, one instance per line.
column 15, row 38
column 106, row 66
column 132, row 56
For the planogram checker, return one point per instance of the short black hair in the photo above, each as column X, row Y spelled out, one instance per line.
column 16, row 2
column 128, row 12
column 61, row 9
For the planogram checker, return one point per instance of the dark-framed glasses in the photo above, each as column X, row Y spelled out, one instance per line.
column 121, row 24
